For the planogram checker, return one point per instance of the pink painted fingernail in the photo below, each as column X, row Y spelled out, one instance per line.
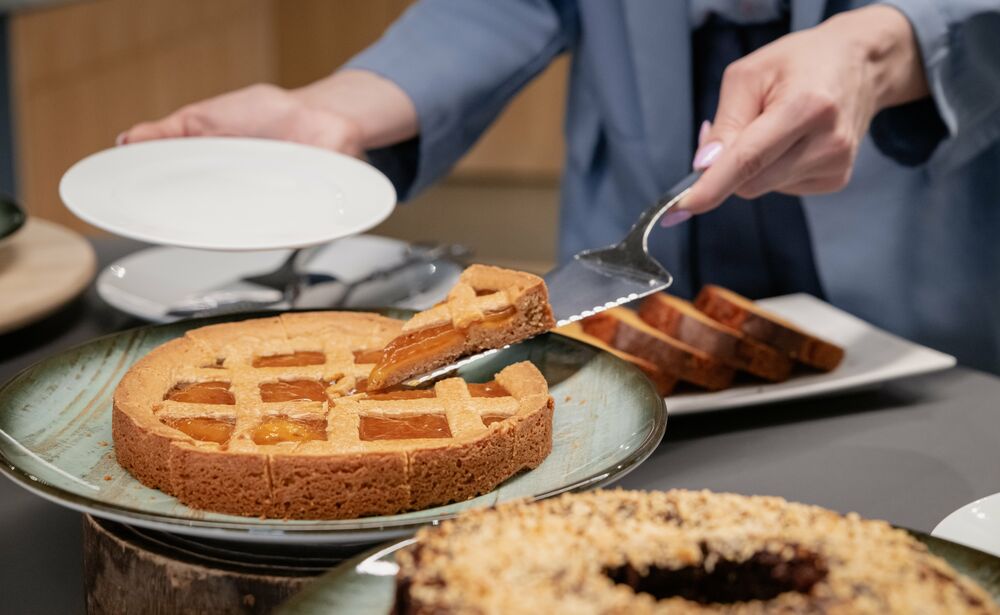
column 706, row 126
column 673, row 218
column 706, row 155
column 120, row 139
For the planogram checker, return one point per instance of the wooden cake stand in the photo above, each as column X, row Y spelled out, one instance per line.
column 133, row 570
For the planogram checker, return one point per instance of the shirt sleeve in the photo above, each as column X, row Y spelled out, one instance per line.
column 460, row 62
column 961, row 55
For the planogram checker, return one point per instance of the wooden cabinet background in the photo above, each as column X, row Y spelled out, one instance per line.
column 84, row 71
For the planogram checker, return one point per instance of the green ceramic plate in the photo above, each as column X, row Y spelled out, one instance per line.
column 12, row 217
column 366, row 583
column 55, row 438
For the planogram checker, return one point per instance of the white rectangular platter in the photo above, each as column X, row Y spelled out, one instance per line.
column 872, row 356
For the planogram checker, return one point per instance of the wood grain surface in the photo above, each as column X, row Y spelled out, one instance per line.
column 124, row 572
column 42, row 267
column 85, row 71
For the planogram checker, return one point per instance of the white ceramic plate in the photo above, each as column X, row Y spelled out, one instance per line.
column 975, row 525
column 147, row 282
column 227, row 193
column 872, row 356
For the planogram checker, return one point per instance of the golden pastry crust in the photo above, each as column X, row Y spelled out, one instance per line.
column 681, row 320
column 340, row 476
column 663, row 381
column 488, row 308
column 746, row 316
column 623, row 329
column 675, row 552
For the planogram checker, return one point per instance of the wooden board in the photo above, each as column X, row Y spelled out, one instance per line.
column 128, row 571
column 42, row 267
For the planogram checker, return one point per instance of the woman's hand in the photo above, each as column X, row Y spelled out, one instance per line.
column 792, row 114
column 348, row 112
column 263, row 111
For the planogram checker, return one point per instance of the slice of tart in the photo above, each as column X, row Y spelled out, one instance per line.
column 744, row 315
column 488, row 308
column 663, row 381
column 623, row 329
column 682, row 320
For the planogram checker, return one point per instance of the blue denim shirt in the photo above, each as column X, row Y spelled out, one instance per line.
column 910, row 244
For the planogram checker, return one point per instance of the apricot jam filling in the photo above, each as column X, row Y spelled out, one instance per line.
column 362, row 357
column 488, row 389
column 203, row 429
column 276, row 429
column 415, row 347
column 214, row 392
column 390, row 394
column 404, row 427
column 360, row 386
column 293, row 390
column 489, row 419
column 295, row 359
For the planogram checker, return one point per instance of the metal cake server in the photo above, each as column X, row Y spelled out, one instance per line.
column 596, row 280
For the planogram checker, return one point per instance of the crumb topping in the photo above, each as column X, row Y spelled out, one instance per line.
column 676, row 552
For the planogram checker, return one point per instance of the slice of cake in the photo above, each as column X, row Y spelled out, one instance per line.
column 682, row 320
column 623, row 329
column 663, row 381
column 746, row 316
column 488, row 308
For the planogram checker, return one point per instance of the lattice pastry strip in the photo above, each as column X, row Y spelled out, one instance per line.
column 449, row 406
column 480, row 290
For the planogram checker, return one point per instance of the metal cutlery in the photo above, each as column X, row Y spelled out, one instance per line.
column 282, row 284
column 382, row 286
column 416, row 254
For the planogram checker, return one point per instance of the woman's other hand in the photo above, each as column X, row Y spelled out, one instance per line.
column 792, row 114
column 348, row 112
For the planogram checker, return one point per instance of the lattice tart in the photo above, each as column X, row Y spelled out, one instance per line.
column 488, row 308
column 269, row 417
column 675, row 552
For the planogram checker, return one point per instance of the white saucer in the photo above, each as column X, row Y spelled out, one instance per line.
column 146, row 282
column 227, row 193
column 975, row 525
